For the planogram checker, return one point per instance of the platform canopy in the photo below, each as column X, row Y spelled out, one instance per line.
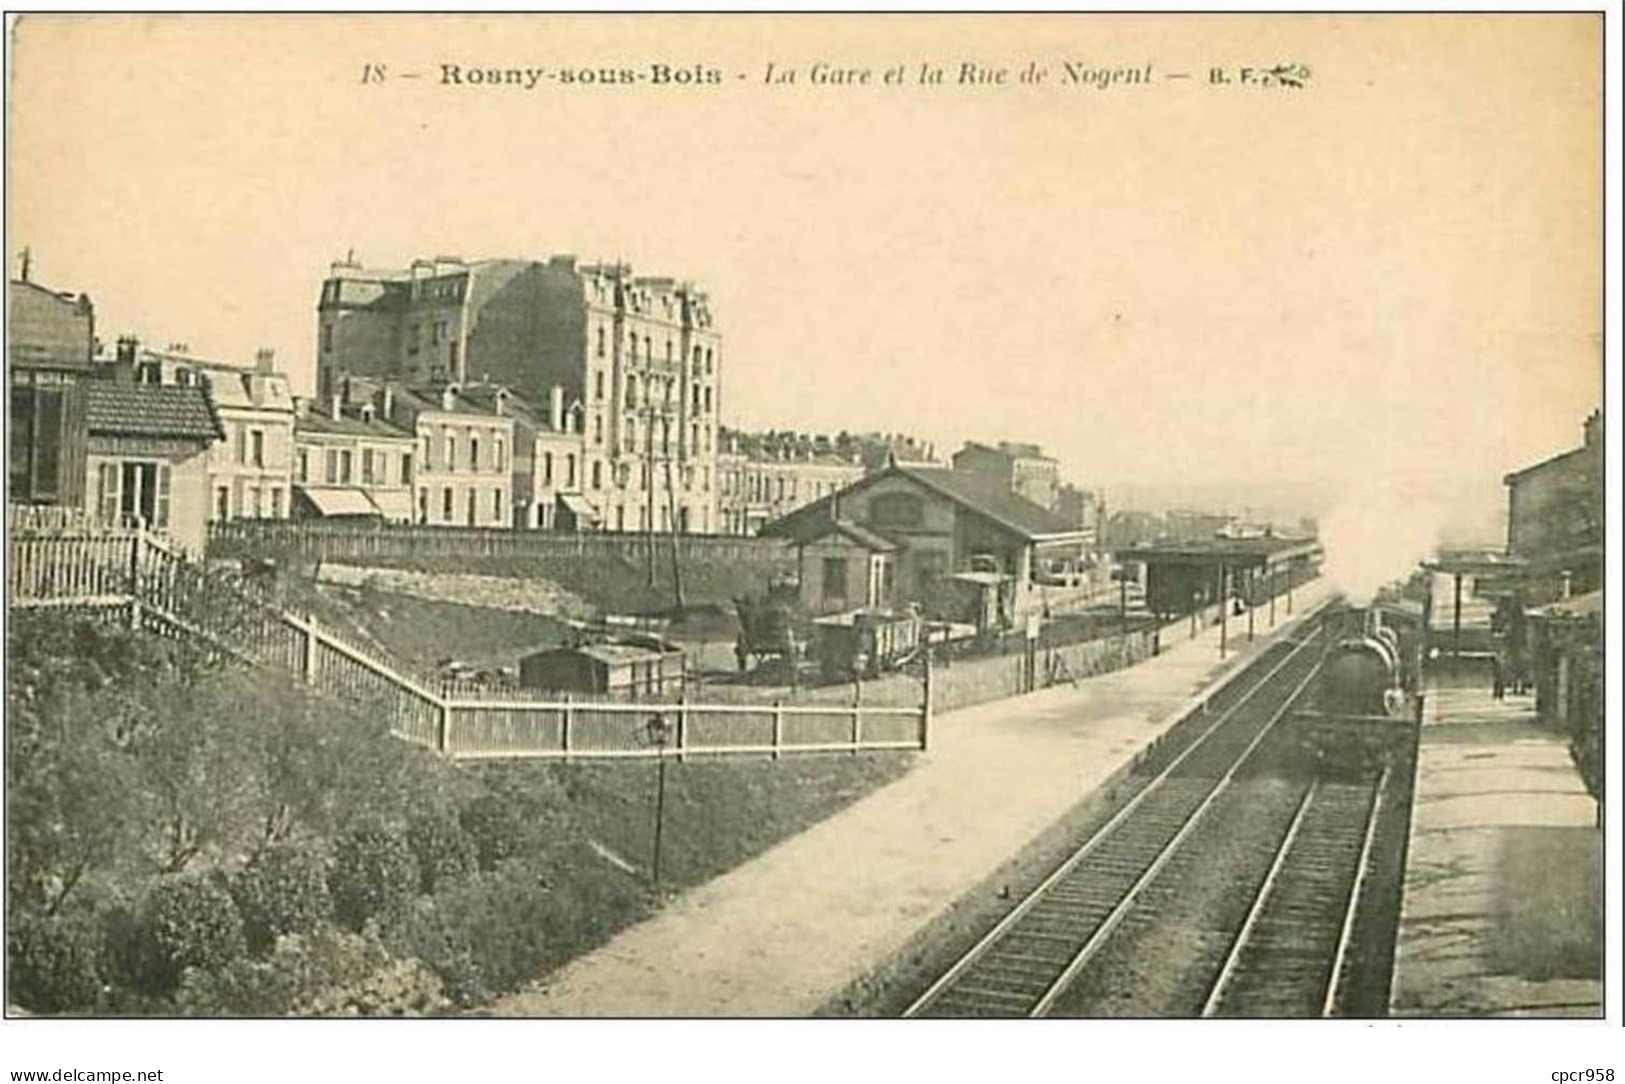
column 1475, row 563
column 1262, row 553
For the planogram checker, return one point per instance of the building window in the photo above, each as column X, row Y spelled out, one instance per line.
column 414, row 335
column 598, row 385
column 648, row 348
column 473, row 453
column 445, row 504
column 600, row 341
column 332, row 475
column 547, row 468
column 501, row 458
column 597, row 474
column 303, row 472
column 242, row 443
column 473, row 501
column 345, row 464
column 496, row 504
column 451, row 452
column 276, row 502
column 696, row 358
column 256, row 499
column 406, row 468
column 327, row 338
column 366, row 466
column 707, row 400
column 451, row 356
column 631, row 392
column 222, row 503
column 598, row 429
column 570, row 470
column 668, row 349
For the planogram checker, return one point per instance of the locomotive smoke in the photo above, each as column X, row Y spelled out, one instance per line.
column 1374, row 536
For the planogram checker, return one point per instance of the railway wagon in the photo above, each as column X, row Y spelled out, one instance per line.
column 866, row 642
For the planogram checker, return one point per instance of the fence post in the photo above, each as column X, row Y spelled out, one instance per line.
column 925, row 708
column 857, row 716
column 682, row 727
column 312, row 658
column 778, row 727
column 442, row 737
column 565, row 725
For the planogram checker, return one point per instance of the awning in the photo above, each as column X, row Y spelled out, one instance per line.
column 338, row 502
column 579, row 506
column 395, row 504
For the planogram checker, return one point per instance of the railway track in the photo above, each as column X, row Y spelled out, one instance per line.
column 1031, row 957
column 1290, row 955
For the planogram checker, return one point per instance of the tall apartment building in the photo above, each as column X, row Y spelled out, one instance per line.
column 641, row 354
column 1023, row 469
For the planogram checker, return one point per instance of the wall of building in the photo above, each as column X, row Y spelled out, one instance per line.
column 186, row 523
column 44, row 328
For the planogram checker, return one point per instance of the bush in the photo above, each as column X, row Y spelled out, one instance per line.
column 495, row 827
column 55, row 963
column 373, row 873
column 444, row 852
column 192, row 922
column 283, row 890
column 325, row 972
column 483, row 936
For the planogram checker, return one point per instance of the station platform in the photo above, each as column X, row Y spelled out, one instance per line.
column 784, row 932
column 1502, row 907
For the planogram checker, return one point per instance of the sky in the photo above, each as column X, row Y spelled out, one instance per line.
column 1380, row 290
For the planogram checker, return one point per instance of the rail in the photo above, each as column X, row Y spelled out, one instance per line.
column 1123, row 876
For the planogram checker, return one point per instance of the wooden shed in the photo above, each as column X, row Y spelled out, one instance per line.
column 626, row 668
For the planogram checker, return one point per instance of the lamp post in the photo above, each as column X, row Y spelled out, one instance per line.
column 657, row 731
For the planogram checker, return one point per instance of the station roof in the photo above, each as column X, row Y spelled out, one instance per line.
column 1474, row 562
column 1227, row 551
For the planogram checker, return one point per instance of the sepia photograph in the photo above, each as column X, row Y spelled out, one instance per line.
column 525, row 519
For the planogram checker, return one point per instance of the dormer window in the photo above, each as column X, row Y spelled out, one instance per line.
column 367, row 413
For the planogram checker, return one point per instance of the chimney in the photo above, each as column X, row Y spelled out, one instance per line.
column 448, row 397
column 337, row 405
column 389, row 401
column 555, row 408
column 264, row 361
column 499, row 402
column 126, row 350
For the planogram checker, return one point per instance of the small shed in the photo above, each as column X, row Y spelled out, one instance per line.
column 626, row 668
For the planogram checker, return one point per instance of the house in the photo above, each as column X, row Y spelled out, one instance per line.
column 841, row 565
column 557, row 464
column 945, row 522
column 463, row 470
column 251, row 470
column 147, row 457
column 1555, row 517
column 50, row 347
column 350, row 463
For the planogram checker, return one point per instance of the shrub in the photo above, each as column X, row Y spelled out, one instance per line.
column 495, row 827
column 484, row 935
column 192, row 922
column 373, row 873
column 325, row 972
column 283, row 890
column 444, row 852
column 55, row 963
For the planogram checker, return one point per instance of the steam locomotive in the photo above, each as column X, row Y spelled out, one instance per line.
column 1370, row 664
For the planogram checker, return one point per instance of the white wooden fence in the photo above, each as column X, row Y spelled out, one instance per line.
column 129, row 569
